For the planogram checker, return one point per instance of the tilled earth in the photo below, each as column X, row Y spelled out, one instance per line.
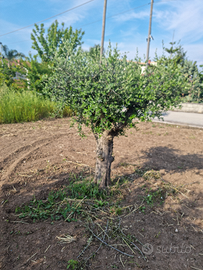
column 38, row 157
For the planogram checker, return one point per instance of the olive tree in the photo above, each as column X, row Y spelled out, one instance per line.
column 111, row 95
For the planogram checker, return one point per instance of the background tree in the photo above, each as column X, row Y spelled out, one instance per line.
column 95, row 51
column 35, row 72
column 11, row 54
column 46, row 44
column 177, row 53
column 193, row 91
column 108, row 96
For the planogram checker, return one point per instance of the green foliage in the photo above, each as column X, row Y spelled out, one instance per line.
column 23, row 106
column 155, row 196
column 193, row 91
column 109, row 95
column 79, row 190
column 35, row 71
column 201, row 81
column 100, row 203
column 47, row 44
column 8, row 72
column 73, row 265
column 58, row 206
column 177, row 54
column 142, row 209
column 66, row 112
column 94, row 52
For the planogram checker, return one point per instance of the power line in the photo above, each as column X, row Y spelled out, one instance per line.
column 48, row 18
column 117, row 14
column 114, row 15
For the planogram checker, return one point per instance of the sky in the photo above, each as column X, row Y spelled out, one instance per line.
column 127, row 24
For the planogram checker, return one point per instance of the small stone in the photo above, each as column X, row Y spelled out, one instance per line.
column 176, row 230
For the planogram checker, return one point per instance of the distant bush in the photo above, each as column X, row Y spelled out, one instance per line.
column 8, row 73
column 26, row 106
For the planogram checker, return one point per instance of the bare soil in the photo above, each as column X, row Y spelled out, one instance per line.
column 38, row 157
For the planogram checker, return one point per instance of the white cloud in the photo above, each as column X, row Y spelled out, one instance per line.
column 185, row 17
column 132, row 15
column 68, row 19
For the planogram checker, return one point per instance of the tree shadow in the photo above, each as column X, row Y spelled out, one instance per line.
column 163, row 157
column 172, row 219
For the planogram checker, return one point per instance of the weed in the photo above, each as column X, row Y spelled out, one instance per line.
column 157, row 235
column 63, row 203
column 115, row 210
column 72, row 265
column 154, row 196
column 114, row 266
column 142, row 209
column 122, row 181
column 140, row 172
column 100, row 203
column 79, row 190
column 119, row 211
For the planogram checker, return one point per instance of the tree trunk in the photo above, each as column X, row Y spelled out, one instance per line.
column 104, row 159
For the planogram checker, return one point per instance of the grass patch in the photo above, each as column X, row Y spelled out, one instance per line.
column 101, row 212
column 26, row 106
column 64, row 203
column 79, row 199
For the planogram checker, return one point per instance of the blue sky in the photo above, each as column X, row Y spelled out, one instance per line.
column 179, row 18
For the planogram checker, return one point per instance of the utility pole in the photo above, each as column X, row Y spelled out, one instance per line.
column 1, row 52
column 149, row 34
column 103, row 30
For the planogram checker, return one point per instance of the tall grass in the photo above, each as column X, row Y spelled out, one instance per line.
column 25, row 106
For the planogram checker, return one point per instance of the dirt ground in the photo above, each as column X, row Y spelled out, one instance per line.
column 38, row 157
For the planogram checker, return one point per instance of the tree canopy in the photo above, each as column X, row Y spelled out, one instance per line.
column 177, row 53
column 11, row 54
column 109, row 96
column 46, row 44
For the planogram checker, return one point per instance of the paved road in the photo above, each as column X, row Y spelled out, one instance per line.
column 183, row 118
